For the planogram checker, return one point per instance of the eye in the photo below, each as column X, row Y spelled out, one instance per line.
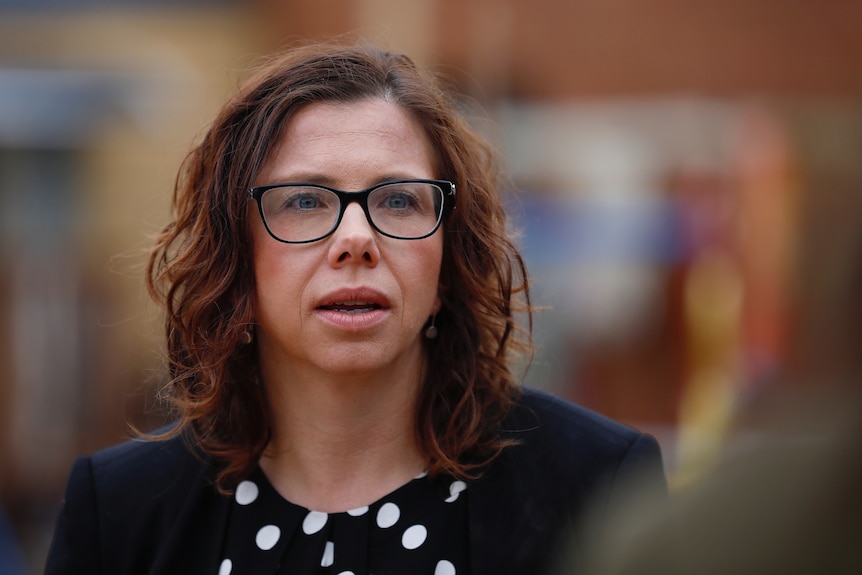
column 305, row 199
column 306, row 202
column 397, row 200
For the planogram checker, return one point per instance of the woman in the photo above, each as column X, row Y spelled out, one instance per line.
column 340, row 295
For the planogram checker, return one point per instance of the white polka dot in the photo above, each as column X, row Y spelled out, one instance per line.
column 455, row 490
column 444, row 568
column 314, row 522
column 267, row 537
column 358, row 511
column 246, row 492
column 347, row 573
column 414, row 536
column 225, row 567
column 388, row 515
column 421, row 475
column 328, row 555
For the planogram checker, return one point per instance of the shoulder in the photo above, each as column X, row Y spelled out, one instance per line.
column 541, row 415
column 123, row 503
column 576, row 443
column 144, row 466
column 140, row 480
column 146, row 482
column 564, row 461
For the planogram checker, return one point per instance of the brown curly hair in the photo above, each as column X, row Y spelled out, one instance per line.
column 200, row 270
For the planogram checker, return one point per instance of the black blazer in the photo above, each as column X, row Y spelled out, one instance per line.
column 150, row 507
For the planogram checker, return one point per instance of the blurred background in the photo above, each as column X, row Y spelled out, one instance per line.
column 686, row 178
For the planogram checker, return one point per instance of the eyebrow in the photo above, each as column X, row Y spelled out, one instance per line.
column 325, row 180
column 307, row 177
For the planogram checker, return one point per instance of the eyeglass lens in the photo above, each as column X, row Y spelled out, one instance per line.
column 305, row 213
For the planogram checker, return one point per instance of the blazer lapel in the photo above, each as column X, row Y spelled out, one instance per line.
column 511, row 521
column 519, row 506
column 193, row 543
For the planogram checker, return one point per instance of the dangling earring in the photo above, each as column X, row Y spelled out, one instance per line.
column 247, row 337
column 431, row 332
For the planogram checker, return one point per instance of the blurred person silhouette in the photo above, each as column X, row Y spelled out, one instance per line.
column 11, row 557
column 786, row 499
column 785, row 496
column 340, row 293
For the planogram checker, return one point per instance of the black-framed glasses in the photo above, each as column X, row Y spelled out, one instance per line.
column 299, row 213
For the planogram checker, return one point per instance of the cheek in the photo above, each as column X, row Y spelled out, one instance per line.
column 276, row 270
column 426, row 273
column 260, row 248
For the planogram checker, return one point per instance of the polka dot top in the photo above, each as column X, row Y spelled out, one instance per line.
column 420, row 528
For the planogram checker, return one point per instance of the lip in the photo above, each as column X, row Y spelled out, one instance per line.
column 353, row 309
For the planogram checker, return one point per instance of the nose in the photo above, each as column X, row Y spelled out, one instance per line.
column 354, row 241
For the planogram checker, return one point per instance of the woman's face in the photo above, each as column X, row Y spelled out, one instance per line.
column 355, row 302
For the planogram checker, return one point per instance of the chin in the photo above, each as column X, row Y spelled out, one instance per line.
column 359, row 361
column 354, row 367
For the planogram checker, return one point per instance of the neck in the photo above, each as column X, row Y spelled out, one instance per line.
column 342, row 442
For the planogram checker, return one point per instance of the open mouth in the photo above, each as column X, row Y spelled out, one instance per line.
column 351, row 307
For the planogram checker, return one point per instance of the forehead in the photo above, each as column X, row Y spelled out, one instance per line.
column 352, row 143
